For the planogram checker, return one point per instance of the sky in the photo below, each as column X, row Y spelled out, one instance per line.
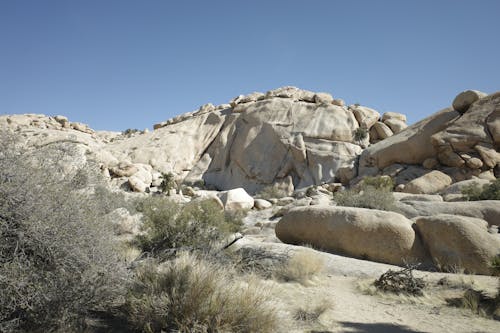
column 119, row 64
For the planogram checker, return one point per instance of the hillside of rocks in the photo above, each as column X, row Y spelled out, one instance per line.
column 307, row 146
column 287, row 137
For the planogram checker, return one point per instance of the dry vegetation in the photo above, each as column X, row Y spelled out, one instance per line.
column 301, row 267
column 195, row 295
column 373, row 193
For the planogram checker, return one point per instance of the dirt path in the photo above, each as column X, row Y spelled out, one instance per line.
column 355, row 306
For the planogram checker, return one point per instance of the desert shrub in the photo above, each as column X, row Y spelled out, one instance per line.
column 367, row 198
column 301, row 267
column 360, row 134
column 312, row 312
column 256, row 260
column 194, row 295
column 384, row 183
column 168, row 182
column 58, row 263
column 194, row 226
column 475, row 192
column 400, row 282
column 130, row 131
column 271, row 192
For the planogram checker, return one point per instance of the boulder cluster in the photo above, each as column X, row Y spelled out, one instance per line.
column 299, row 147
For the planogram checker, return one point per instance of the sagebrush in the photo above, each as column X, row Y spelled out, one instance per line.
column 475, row 192
column 58, row 263
column 195, row 295
column 198, row 225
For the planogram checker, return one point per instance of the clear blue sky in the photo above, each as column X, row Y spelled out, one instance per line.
column 118, row 64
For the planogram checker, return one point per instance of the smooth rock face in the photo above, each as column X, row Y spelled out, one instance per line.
column 363, row 233
column 383, row 131
column 365, row 116
column 262, row 204
column 236, row 199
column 308, row 144
column 429, row 183
column 488, row 210
column 396, row 125
column 465, row 99
column 393, row 115
column 456, row 242
column 412, row 146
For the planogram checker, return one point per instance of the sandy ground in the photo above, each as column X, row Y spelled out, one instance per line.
column 354, row 305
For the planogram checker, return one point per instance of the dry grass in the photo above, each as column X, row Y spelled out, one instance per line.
column 311, row 313
column 301, row 267
column 194, row 295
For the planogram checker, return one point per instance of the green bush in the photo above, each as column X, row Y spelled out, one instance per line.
column 168, row 182
column 272, row 192
column 384, row 183
column 367, row 198
column 193, row 295
column 487, row 192
column 58, row 263
column 360, row 134
column 194, row 226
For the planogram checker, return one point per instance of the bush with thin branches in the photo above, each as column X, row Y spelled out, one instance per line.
column 189, row 294
column 58, row 264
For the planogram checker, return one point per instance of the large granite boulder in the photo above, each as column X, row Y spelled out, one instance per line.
column 457, row 242
column 278, row 140
column 488, row 210
column 363, row 233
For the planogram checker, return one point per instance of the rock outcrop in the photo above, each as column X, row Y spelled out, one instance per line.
column 363, row 233
column 458, row 242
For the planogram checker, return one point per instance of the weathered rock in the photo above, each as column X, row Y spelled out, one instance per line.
column 465, row 99
column 370, row 234
column 236, row 199
column 124, row 170
column 365, row 116
column 456, row 242
column 323, row 98
column 400, row 196
column 457, row 187
column 262, row 204
column 412, row 146
column 396, row 125
column 288, row 131
column 488, row 210
column 137, row 185
column 474, row 163
column 429, row 183
column 393, row 115
column 489, row 155
column 430, row 163
column 383, row 131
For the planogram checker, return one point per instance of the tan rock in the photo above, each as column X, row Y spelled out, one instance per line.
column 363, row 233
column 465, row 99
column 323, row 98
column 365, row 116
column 429, row 183
column 236, row 200
column 262, row 204
column 137, row 185
column 393, row 115
column 430, row 163
column 488, row 154
column 383, row 131
column 124, row 170
column 412, row 146
column 474, row 163
column 456, row 242
column 396, row 125
column 488, row 210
